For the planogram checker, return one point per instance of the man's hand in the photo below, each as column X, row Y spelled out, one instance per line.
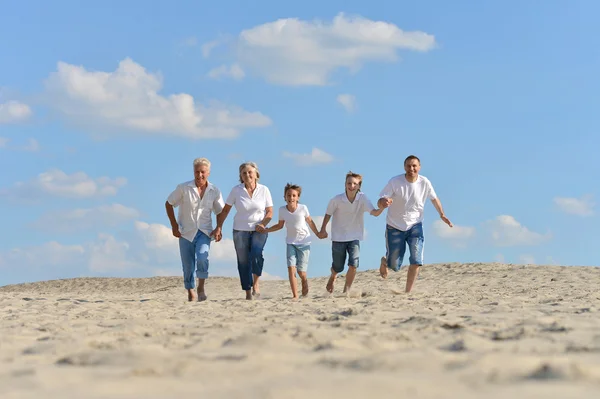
column 446, row 220
column 322, row 234
column 384, row 202
column 217, row 234
column 176, row 232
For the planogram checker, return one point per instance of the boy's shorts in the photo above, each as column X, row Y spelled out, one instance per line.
column 297, row 255
column 338, row 252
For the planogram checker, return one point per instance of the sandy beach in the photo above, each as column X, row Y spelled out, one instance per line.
column 468, row 331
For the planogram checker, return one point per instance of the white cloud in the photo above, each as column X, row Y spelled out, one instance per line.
column 49, row 254
column 59, row 184
column 526, row 259
column 295, row 52
column 234, row 71
column 13, row 112
column 3, row 142
column 458, row 235
column 506, row 231
column 348, row 101
column 128, row 99
column 78, row 220
column 207, row 48
column 576, row 206
column 316, row 156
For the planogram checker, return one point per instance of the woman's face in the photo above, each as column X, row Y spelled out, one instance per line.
column 249, row 175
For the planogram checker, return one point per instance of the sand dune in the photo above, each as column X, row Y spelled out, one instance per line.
column 468, row 330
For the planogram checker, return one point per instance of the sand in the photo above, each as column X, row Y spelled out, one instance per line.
column 468, row 331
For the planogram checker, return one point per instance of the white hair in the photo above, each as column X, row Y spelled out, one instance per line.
column 252, row 165
column 201, row 161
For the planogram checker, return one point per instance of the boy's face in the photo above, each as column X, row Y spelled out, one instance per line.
column 352, row 184
column 292, row 196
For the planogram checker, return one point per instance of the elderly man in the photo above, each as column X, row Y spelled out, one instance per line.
column 406, row 195
column 197, row 200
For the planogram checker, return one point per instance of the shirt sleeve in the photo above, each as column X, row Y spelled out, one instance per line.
column 176, row 196
column 280, row 213
column 331, row 207
column 367, row 204
column 268, row 198
column 231, row 197
column 306, row 213
column 388, row 190
column 218, row 203
column 430, row 191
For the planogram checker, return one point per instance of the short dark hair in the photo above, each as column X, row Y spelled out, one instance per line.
column 291, row 186
column 410, row 158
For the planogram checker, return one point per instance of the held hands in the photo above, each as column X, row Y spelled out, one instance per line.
column 260, row 228
column 446, row 220
column 217, row 234
column 322, row 234
column 385, row 202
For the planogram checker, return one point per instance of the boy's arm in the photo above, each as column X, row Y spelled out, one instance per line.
column 313, row 226
column 377, row 212
column 324, row 224
column 275, row 227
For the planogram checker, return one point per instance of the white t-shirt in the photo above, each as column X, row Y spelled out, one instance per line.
column 347, row 218
column 408, row 200
column 195, row 212
column 298, row 232
column 250, row 211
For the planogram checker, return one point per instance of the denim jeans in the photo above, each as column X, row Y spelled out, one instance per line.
column 194, row 258
column 297, row 255
column 249, row 249
column 396, row 242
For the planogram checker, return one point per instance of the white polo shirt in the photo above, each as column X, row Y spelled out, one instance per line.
column 298, row 232
column 408, row 200
column 347, row 218
column 249, row 211
column 195, row 212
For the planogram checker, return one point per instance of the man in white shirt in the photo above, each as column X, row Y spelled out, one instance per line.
column 197, row 200
column 405, row 195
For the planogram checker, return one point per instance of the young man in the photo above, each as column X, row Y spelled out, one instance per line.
column 347, row 229
column 197, row 200
column 406, row 195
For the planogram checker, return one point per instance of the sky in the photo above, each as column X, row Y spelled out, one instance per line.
column 105, row 105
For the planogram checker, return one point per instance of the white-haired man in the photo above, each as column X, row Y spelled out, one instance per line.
column 197, row 200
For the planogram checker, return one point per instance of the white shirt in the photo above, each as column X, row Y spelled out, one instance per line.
column 409, row 200
column 348, row 217
column 250, row 211
column 195, row 212
column 298, row 232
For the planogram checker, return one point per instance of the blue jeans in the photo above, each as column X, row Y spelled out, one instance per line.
column 396, row 242
column 338, row 253
column 249, row 249
column 194, row 256
column 297, row 255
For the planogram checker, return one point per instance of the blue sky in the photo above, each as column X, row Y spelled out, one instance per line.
column 103, row 108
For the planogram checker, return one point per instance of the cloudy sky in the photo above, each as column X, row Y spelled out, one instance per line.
column 104, row 106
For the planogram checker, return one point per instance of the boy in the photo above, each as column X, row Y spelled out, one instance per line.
column 297, row 219
column 347, row 228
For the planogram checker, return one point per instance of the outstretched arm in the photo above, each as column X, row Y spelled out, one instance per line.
column 377, row 212
column 324, row 224
column 438, row 206
column 276, row 227
column 313, row 227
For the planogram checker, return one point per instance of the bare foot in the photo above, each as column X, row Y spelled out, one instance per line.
column 294, row 298
column 330, row 283
column 256, row 294
column 191, row 295
column 202, row 297
column 383, row 271
column 304, row 287
column 248, row 295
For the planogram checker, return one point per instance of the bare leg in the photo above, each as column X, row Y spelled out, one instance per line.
column 350, row 277
column 201, row 293
column 331, row 281
column 413, row 272
column 383, row 271
column 304, row 279
column 255, row 286
column 249, row 295
column 191, row 295
column 293, row 281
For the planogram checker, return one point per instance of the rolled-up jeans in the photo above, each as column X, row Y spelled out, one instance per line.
column 397, row 241
column 194, row 258
column 249, row 249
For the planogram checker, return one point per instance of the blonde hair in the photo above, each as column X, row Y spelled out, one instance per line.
column 251, row 164
column 356, row 176
column 201, row 161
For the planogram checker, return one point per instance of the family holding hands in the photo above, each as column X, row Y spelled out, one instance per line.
column 404, row 196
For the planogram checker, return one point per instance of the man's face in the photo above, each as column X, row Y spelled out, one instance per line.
column 201, row 173
column 412, row 167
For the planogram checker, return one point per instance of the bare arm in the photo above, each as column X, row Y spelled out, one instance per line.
column 223, row 215
column 438, row 206
column 171, row 215
column 313, row 226
column 326, row 219
column 276, row 227
column 260, row 227
column 377, row 212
